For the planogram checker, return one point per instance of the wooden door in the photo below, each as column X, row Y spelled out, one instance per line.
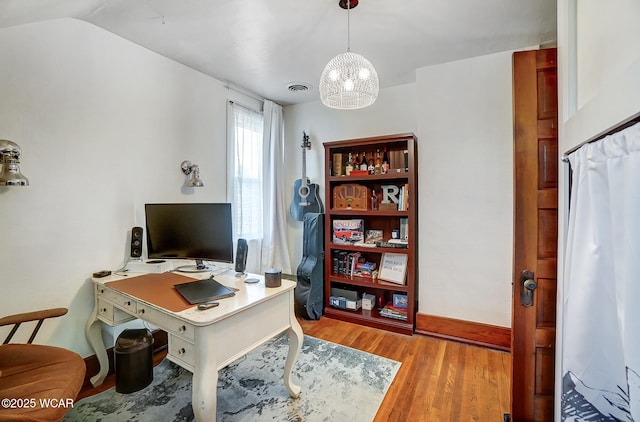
column 535, row 234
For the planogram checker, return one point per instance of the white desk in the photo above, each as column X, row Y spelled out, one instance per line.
column 205, row 341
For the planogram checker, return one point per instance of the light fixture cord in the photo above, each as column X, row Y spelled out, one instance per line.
column 348, row 26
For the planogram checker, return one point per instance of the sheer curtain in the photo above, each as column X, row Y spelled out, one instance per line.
column 256, row 184
column 601, row 317
column 275, row 252
column 245, row 130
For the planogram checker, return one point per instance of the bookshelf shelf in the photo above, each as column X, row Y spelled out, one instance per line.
column 372, row 319
column 389, row 177
column 381, row 213
column 366, row 282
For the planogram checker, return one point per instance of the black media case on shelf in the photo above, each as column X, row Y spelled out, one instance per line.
column 383, row 197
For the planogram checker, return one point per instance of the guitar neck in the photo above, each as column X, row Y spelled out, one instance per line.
column 304, row 165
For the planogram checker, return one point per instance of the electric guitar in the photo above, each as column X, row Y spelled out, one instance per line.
column 305, row 194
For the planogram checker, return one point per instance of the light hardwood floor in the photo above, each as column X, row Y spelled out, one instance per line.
column 438, row 381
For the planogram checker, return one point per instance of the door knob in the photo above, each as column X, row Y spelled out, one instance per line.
column 528, row 281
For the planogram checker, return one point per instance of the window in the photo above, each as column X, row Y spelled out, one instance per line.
column 245, row 173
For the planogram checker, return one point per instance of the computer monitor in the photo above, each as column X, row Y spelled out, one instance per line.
column 190, row 231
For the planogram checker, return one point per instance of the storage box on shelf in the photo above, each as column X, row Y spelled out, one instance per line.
column 372, row 212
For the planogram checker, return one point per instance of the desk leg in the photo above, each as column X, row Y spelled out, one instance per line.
column 93, row 331
column 205, row 380
column 296, row 338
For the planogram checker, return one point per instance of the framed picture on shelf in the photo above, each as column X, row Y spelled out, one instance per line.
column 348, row 232
column 373, row 236
column 393, row 267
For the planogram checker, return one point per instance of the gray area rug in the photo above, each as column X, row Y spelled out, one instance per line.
column 338, row 383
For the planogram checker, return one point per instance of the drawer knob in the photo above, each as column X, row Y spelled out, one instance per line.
column 103, row 310
column 128, row 303
column 141, row 311
column 182, row 351
column 182, row 329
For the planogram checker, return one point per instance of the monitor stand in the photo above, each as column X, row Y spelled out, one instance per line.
column 199, row 267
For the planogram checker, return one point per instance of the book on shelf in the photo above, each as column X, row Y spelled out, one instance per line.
column 390, row 311
column 397, row 245
column 365, row 244
column 373, row 275
column 404, row 229
column 336, row 260
column 366, row 266
column 348, row 232
column 352, row 262
column 337, row 164
column 403, row 198
column 398, row 241
column 365, row 269
column 342, row 262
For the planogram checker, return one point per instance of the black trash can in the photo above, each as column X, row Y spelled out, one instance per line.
column 134, row 360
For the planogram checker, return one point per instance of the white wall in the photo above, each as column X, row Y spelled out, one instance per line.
column 607, row 37
column 104, row 125
column 599, row 67
column 461, row 113
column 466, row 189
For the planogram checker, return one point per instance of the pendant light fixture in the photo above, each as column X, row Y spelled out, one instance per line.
column 349, row 80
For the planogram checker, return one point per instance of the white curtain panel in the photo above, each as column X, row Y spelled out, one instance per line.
column 601, row 292
column 275, row 253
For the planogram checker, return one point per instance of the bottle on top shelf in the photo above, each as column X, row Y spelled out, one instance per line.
column 349, row 166
column 356, row 161
column 385, row 161
column 378, row 163
column 364, row 165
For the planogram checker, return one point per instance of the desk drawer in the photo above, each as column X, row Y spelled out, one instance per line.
column 110, row 314
column 167, row 323
column 116, row 298
column 182, row 350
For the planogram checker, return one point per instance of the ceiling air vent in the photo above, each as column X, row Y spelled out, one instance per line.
column 298, row 87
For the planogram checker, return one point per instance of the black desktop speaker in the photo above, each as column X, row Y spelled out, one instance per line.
column 241, row 256
column 136, row 242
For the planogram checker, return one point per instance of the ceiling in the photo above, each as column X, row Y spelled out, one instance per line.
column 264, row 45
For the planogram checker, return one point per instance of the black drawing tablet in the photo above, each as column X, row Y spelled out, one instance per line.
column 203, row 290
